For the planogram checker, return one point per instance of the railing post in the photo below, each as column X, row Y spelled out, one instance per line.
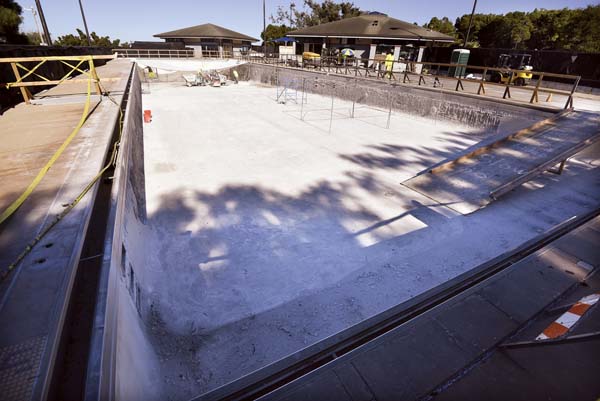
column 481, row 87
column 421, row 77
column 94, row 75
column 507, row 90
column 534, row 95
column 570, row 99
column 24, row 92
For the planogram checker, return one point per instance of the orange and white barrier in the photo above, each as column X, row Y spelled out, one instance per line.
column 568, row 319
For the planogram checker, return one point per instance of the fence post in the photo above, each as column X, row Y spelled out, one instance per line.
column 534, row 95
column 24, row 92
column 573, row 89
column 481, row 87
column 507, row 90
column 95, row 75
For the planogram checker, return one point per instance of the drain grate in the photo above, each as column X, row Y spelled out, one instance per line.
column 19, row 366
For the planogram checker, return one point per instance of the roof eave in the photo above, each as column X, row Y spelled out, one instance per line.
column 421, row 39
column 161, row 36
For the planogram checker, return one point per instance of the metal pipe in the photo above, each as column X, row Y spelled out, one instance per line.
column 87, row 32
column 331, row 115
column 389, row 112
column 302, row 104
column 354, row 97
column 47, row 38
column 264, row 29
column 470, row 23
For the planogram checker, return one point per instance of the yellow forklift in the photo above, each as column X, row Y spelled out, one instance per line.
column 507, row 62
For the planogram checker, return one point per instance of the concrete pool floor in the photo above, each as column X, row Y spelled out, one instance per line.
column 268, row 233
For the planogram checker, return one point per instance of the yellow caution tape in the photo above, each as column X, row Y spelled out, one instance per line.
column 112, row 162
column 17, row 203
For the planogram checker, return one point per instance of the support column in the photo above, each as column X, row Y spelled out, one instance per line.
column 372, row 53
column 419, row 67
column 221, row 51
column 397, row 66
column 306, row 47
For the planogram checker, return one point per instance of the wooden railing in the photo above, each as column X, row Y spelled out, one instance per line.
column 83, row 65
column 431, row 74
column 154, row 53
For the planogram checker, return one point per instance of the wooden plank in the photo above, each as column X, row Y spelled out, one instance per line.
column 56, row 82
column 56, row 58
column 24, row 91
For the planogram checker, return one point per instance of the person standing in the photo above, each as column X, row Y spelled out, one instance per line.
column 389, row 64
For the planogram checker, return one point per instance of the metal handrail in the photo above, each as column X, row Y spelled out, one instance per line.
column 154, row 53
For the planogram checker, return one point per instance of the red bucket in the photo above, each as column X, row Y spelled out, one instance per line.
column 147, row 116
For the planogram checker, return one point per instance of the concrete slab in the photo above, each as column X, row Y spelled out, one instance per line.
column 481, row 330
column 266, row 233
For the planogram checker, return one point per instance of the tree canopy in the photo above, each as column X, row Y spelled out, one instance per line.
column 81, row 40
column 316, row 13
column 570, row 29
column 10, row 19
column 443, row 25
column 274, row 32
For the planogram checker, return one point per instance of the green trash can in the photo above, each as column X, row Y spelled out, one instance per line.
column 459, row 56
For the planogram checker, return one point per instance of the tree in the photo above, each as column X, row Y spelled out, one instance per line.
column 441, row 25
column 33, row 38
column 583, row 30
column 274, row 32
column 10, row 19
column 480, row 21
column 316, row 13
column 81, row 40
column 549, row 28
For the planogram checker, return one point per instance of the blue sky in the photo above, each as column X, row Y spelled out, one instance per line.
column 131, row 20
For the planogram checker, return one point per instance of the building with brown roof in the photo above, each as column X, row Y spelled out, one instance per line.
column 210, row 39
column 368, row 35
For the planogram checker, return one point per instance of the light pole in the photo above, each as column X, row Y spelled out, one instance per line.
column 47, row 39
column 470, row 23
column 264, row 29
column 87, row 32
column 37, row 26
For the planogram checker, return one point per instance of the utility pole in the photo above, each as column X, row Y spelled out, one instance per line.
column 37, row 26
column 87, row 32
column 470, row 23
column 264, row 29
column 47, row 37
